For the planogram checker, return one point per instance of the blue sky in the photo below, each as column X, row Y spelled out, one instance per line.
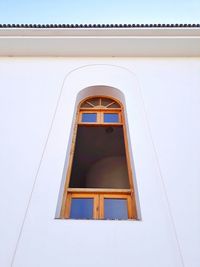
column 110, row 11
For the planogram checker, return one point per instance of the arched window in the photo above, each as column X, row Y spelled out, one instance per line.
column 99, row 182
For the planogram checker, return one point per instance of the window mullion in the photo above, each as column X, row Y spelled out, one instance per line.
column 101, row 206
column 100, row 117
column 96, row 207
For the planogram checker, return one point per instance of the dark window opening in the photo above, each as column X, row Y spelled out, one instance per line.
column 99, row 158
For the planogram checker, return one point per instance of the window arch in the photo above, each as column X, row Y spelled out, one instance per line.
column 99, row 182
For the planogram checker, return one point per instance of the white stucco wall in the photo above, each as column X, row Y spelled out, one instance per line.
column 37, row 104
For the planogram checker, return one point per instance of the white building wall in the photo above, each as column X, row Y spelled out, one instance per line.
column 37, row 104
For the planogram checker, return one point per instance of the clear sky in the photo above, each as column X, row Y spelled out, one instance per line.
column 104, row 11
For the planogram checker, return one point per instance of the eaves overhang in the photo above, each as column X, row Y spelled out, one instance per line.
column 99, row 41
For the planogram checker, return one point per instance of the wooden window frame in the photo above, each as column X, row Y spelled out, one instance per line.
column 88, row 112
column 82, row 195
column 100, row 117
column 111, row 112
column 97, row 193
column 130, row 211
column 98, row 204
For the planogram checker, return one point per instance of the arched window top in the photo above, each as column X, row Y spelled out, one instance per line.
column 100, row 102
column 100, row 110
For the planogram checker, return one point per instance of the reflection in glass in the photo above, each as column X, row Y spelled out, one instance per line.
column 81, row 208
column 115, row 209
column 89, row 117
column 111, row 117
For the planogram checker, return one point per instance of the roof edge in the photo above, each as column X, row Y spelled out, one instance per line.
column 100, row 25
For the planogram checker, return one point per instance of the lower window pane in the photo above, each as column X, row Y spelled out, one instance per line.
column 81, row 208
column 115, row 209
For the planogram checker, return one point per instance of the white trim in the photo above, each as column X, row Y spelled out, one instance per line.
column 107, row 42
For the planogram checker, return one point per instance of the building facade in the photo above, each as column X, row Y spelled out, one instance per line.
column 45, row 73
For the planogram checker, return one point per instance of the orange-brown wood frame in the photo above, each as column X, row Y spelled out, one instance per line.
column 98, row 203
column 97, row 193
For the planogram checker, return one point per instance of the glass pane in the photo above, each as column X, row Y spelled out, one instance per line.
column 114, row 105
column 86, row 105
column 89, row 117
column 94, row 101
column 106, row 101
column 111, row 117
column 115, row 209
column 81, row 208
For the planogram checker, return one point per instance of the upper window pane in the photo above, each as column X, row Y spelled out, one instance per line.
column 81, row 208
column 89, row 117
column 111, row 117
column 86, row 105
column 94, row 101
column 106, row 101
column 100, row 102
column 114, row 105
column 115, row 209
